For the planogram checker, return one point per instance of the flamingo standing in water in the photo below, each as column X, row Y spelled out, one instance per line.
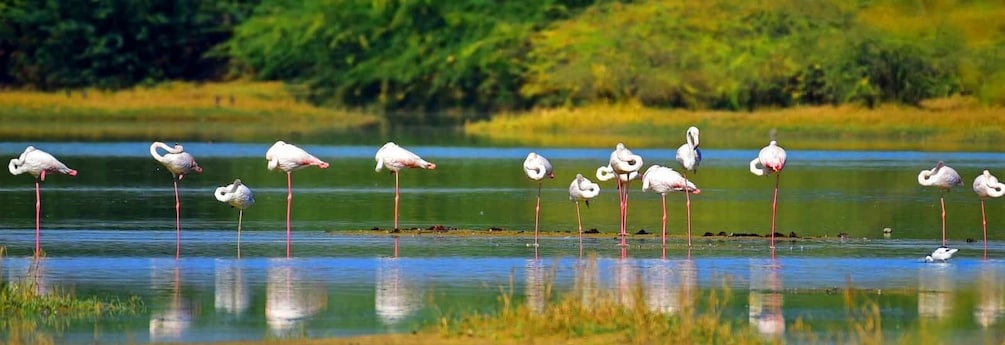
column 662, row 180
column 395, row 158
column 987, row 186
column 179, row 163
column 537, row 167
column 38, row 163
column 770, row 160
column 582, row 189
column 288, row 157
column 944, row 178
column 625, row 166
column 689, row 157
column 239, row 196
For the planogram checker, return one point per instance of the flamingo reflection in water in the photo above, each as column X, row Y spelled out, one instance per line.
column 936, row 287
column 170, row 321
column 395, row 298
column 990, row 306
column 537, row 286
column 231, row 294
column 671, row 286
column 291, row 297
column 765, row 300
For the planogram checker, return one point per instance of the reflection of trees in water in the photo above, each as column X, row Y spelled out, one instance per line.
column 395, row 297
column 670, row 286
column 935, row 290
column 991, row 295
column 291, row 298
column 171, row 320
column 231, row 294
column 765, row 300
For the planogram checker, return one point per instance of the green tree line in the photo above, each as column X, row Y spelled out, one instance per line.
column 449, row 61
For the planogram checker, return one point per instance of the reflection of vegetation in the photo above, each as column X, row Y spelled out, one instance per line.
column 226, row 111
column 945, row 124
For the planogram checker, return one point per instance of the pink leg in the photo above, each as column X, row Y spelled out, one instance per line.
column 537, row 212
column 942, row 201
column 664, row 197
column 984, row 225
column 396, row 201
column 687, row 196
column 774, row 209
column 396, row 246
column 579, row 220
column 625, row 216
column 177, row 221
column 38, row 218
column 621, row 212
column 240, row 217
column 289, row 203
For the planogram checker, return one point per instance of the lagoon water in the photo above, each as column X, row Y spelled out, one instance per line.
column 110, row 232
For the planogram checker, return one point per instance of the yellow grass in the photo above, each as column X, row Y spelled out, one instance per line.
column 946, row 124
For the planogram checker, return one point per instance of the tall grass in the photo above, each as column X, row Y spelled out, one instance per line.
column 946, row 124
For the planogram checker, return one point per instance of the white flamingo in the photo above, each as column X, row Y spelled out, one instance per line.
column 537, row 168
column 663, row 180
column 38, row 163
column 944, row 178
column 289, row 158
column 770, row 160
column 179, row 163
column 395, row 158
column 239, row 196
column 987, row 186
column 625, row 165
column 689, row 157
column 582, row 189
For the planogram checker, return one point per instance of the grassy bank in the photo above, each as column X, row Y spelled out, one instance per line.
column 957, row 124
column 174, row 111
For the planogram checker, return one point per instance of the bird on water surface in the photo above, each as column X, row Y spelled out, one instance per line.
column 179, row 163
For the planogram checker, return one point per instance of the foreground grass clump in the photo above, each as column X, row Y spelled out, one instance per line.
column 219, row 111
column 946, row 124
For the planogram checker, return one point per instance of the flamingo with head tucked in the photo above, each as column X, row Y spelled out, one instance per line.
column 395, row 158
column 987, row 186
column 179, row 163
column 239, row 196
column 944, row 178
column 689, row 157
column 289, row 158
column 582, row 189
column 663, row 180
column 537, row 168
column 38, row 163
column 624, row 165
column 770, row 160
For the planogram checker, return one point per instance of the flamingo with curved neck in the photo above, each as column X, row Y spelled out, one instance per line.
column 38, row 163
column 944, row 178
column 987, row 186
column 625, row 165
column 689, row 157
column 770, row 160
column 239, row 196
column 289, row 158
column 179, row 163
column 583, row 189
column 537, row 168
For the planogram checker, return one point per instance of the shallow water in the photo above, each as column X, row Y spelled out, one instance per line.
column 110, row 232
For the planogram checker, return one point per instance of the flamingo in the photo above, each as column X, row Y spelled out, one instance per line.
column 689, row 157
column 582, row 189
column 770, row 160
column 944, row 178
column 395, row 158
column 537, row 167
column 239, row 196
column 178, row 163
column 625, row 165
column 987, row 186
column 38, row 163
column 662, row 180
column 289, row 158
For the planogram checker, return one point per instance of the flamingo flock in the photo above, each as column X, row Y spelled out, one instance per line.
column 623, row 167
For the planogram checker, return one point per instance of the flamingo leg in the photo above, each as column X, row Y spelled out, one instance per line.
column 177, row 221
column 624, row 222
column 240, row 218
column 774, row 211
column 621, row 211
column 579, row 220
column 687, row 196
column 38, row 218
column 664, row 198
column 537, row 215
column 396, row 246
column 984, row 225
column 942, row 202
column 396, row 198
column 289, row 203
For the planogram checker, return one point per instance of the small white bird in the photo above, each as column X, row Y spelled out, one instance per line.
column 395, row 158
column 663, row 180
column 236, row 195
column 944, row 178
column 941, row 254
column 582, row 189
column 537, row 168
column 290, row 158
column 38, row 163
